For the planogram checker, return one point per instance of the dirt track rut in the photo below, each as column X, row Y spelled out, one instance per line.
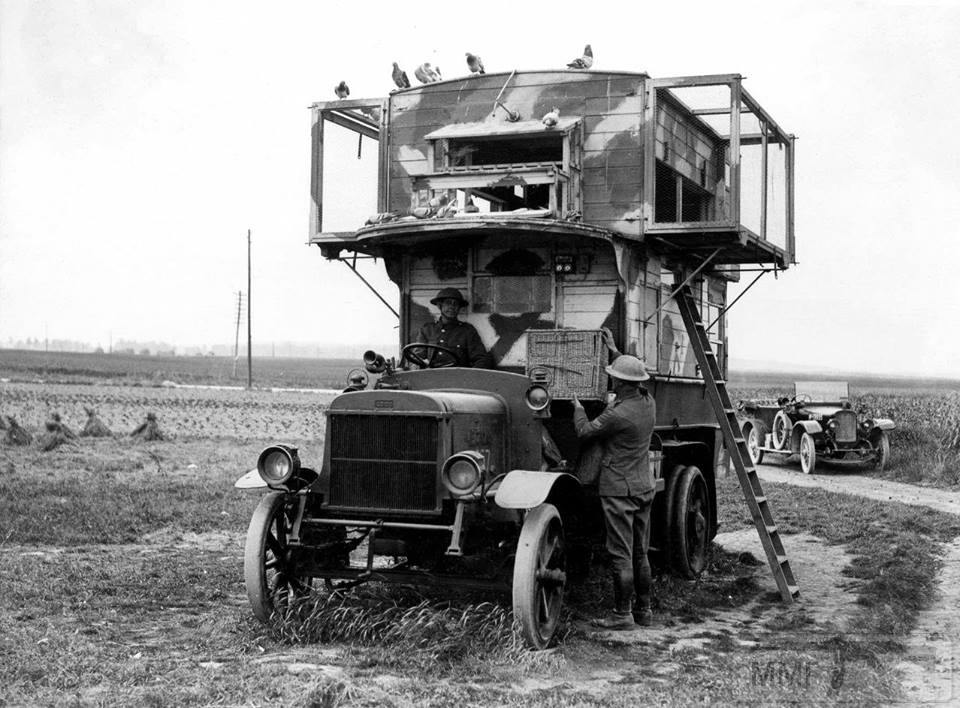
column 931, row 665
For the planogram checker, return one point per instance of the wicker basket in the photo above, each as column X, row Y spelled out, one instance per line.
column 568, row 361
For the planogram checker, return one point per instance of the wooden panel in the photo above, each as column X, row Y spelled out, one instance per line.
column 614, row 105
column 594, row 298
column 603, row 176
column 627, row 157
column 614, row 123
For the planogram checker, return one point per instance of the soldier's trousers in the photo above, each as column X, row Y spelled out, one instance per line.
column 627, row 522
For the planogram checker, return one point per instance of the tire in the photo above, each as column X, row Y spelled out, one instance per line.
column 808, row 454
column 781, row 430
column 881, row 447
column 690, row 524
column 539, row 575
column 268, row 570
column 753, row 445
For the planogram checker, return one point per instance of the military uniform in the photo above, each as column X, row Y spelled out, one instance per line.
column 459, row 336
column 626, row 488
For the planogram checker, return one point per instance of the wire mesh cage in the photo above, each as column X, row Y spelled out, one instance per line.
column 568, row 362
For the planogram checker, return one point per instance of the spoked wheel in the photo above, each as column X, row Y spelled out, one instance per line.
column 881, row 448
column 268, row 564
column 753, row 445
column 808, row 454
column 690, row 524
column 781, row 430
column 539, row 575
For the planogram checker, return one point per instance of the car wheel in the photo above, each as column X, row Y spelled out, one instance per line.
column 539, row 575
column 781, row 430
column 881, row 449
column 753, row 445
column 690, row 524
column 269, row 571
column 808, row 454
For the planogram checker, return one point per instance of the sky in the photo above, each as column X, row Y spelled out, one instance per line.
column 140, row 140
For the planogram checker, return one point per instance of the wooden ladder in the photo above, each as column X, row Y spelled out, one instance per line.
column 737, row 446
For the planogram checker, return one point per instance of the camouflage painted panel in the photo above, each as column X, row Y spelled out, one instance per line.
column 609, row 106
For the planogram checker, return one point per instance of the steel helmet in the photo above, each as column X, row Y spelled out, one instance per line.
column 628, row 368
column 449, row 293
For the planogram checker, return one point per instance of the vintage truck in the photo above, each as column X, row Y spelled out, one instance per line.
column 629, row 203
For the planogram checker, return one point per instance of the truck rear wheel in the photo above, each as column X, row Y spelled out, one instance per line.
column 689, row 523
column 539, row 575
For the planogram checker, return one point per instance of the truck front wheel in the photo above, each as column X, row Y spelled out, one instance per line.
column 539, row 575
column 269, row 570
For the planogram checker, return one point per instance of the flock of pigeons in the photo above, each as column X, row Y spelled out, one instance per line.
column 428, row 74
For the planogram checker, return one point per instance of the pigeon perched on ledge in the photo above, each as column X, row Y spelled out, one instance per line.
column 427, row 74
column 475, row 64
column 552, row 118
column 584, row 62
column 342, row 90
column 400, row 77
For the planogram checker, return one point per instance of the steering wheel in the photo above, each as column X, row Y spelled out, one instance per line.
column 429, row 360
column 803, row 398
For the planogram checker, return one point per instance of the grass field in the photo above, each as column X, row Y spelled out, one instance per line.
column 121, row 579
column 134, row 370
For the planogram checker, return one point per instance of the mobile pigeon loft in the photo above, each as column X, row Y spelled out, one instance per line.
column 562, row 203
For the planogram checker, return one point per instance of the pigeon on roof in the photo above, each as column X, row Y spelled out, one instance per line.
column 551, row 118
column 342, row 90
column 475, row 64
column 400, row 77
column 584, row 62
column 427, row 74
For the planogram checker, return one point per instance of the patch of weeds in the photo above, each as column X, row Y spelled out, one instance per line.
column 427, row 632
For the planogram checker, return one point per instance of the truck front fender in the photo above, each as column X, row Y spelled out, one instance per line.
column 525, row 489
column 884, row 423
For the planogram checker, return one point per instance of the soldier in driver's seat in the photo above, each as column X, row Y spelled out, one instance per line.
column 450, row 333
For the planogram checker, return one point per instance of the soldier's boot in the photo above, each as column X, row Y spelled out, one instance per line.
column 642, row 581
column 622, row 616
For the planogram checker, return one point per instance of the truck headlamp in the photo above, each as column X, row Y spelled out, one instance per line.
column 537, row 398
column 278, row 463
column 463, row 472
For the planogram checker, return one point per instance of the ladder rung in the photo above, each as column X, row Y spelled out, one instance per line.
column 761, row 499
column 740, row 440
column 794, row 590
column 782, row 559
column 771, row 529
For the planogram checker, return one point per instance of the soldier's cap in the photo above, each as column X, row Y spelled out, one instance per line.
column 628, row 368
column 449, row 293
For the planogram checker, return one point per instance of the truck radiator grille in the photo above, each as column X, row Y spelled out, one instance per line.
column 846, row 430
column 383, row 462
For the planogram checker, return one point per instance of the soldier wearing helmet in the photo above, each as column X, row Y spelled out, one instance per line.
column 448, row 331
column 626, row 487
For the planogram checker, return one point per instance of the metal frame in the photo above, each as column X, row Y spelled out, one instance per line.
column 741, row 102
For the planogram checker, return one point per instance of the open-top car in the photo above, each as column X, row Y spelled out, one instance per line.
column 818, row 421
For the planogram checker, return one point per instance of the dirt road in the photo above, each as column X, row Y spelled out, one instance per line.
column 931, row 665
column 862, row 486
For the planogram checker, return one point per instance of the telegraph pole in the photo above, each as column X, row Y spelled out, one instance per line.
column 249, row 319
column 236, row 339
